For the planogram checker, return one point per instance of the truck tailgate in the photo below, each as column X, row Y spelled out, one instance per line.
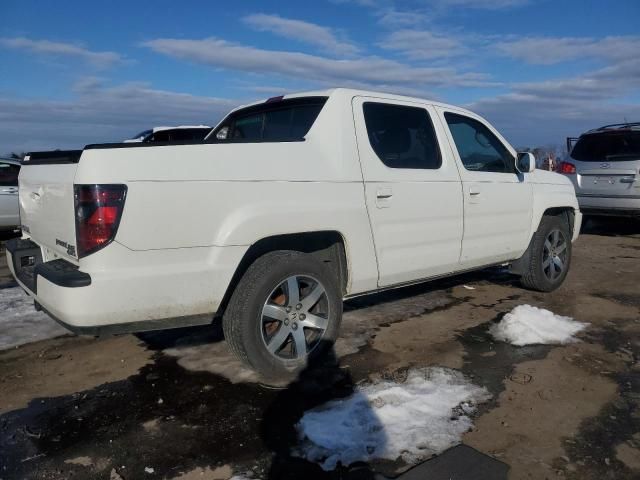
column 47, row 201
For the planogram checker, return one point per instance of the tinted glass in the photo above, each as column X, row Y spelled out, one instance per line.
column 9, row 174
column 161, row 136
column 188, row 134
column 248, row 128
column 142, row 135
column 402, row 137
column 272, row 121
column 479, row 149
column 277, row 124
column 607, row 147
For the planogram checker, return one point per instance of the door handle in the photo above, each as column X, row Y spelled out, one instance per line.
column 383, row 197
column 474, row 191
column 10, row 190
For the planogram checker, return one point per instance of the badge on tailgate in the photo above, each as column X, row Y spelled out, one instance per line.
column 71, row 249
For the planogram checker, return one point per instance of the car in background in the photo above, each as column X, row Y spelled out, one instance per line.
column 604, row 166
column 182, row 133
column 9, row 207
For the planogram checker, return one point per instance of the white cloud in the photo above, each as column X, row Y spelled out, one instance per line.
column 370, row 71
column 47, row 47
column 483, row 4
column 422, row 44
column 302, row 31
column 394, row 18
column 442, row 4
column 100, row 114
column 550, row 50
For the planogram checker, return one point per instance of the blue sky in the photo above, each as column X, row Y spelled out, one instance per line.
column 78, row 72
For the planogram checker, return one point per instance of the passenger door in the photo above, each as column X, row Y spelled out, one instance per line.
column 497, row 199
column 412, row 189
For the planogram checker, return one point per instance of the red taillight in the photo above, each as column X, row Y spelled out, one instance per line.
column 566, row 168
column 98, row 212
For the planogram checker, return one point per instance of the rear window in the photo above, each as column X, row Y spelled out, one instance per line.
column 285, row 120
column 9, row 174
column 607, row 147
column 179, row 135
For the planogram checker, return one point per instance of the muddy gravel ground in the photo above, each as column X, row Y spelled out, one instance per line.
column 176, row 405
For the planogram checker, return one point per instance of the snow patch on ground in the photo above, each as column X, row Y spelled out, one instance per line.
column 20, row 323
column 411, row 419
column 212, row 357
column 527, row 325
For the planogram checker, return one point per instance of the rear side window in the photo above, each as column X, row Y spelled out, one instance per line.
column 402, row 137
column 607, row 147
column 161, row 136
column 479, row 149
column 179, row 135
column 284, row 120
column 9, row 174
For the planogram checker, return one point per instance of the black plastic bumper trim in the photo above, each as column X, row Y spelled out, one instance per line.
column 64, row 274
column 133, row 327
column 59, row 271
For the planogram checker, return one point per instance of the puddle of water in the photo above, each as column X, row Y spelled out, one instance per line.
column 489, row 362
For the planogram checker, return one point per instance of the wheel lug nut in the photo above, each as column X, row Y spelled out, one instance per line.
column 288, row 309
column 302, row 316
column 298, row 306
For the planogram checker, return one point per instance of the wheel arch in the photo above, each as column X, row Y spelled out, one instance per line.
column 567, row 212
column 328, row 246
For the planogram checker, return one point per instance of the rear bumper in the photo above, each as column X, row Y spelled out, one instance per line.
column 140, row 291
column 607, row 205
column 27, row 266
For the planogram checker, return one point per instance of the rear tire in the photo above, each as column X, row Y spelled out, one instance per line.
column 286, row 302
column 549, row 255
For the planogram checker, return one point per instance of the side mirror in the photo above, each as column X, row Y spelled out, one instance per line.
column 526, row 162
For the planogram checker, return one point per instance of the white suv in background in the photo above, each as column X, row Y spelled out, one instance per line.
column 604, row 166
column 182, row 133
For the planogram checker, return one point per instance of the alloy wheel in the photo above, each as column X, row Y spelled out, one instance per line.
column 554, row 255
column 295, row 317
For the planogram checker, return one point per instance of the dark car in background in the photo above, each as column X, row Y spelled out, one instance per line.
column 604, row 166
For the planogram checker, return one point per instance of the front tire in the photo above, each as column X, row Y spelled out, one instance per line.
column 549, row 255
column 285, row 310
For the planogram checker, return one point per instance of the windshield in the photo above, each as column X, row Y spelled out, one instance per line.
column 607, row 147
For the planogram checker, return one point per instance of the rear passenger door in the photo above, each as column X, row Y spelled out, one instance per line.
column 497, row 199
column 412, row 189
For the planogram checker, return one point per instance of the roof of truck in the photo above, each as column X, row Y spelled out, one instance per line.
column 353, row 93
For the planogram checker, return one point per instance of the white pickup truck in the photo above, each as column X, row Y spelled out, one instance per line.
column 288, row 207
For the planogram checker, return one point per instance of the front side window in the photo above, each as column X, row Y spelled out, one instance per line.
column 9, row 174
column 401, row 136
column 284, row 120
column 479, row 149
